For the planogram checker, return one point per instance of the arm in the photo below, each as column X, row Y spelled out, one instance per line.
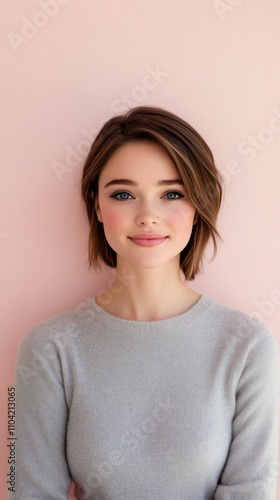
column 252, row 464
column 41, row 419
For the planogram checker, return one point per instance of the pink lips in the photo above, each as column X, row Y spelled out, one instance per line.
column 148, row 239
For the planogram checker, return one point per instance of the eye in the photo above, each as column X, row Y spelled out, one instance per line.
column 121, row 196
column 174, row 195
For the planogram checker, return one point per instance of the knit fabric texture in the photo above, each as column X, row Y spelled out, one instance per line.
column 184, row 408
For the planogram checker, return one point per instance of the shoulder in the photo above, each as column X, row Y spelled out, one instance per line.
column 58, row 330
column 240, row 326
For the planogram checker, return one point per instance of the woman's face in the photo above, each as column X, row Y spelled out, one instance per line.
column 142, row 204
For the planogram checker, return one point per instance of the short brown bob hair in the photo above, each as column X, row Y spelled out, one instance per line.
column 193, row 159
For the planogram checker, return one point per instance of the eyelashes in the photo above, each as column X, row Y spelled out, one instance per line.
column 176, row 193
column 121, row 196
column 124, row 195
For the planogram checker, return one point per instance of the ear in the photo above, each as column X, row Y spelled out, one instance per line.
column 195, row 218
column 97, row 208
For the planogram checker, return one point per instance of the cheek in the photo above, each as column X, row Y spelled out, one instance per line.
column 183, row 218
column 112, row 219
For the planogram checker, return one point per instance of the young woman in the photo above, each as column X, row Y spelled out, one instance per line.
column 148, row 391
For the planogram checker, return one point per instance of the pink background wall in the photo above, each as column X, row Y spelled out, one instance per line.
column 67, row 66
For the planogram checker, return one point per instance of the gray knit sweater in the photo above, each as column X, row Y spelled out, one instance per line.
column 184, row 408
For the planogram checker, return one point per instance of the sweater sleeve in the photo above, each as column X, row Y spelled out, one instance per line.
column 251, row 468
column 41, row 420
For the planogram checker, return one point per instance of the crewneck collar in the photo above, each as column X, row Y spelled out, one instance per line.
column 188, row 317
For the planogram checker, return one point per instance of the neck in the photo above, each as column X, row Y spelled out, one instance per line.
column 142, row 294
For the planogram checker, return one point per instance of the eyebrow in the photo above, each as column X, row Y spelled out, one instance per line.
column 128, row 182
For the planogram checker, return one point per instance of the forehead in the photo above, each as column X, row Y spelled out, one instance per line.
column 136, row 159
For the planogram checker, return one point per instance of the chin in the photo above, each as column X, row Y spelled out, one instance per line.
column 154, row 263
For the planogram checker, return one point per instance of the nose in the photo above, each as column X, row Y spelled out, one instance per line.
column 147, row 215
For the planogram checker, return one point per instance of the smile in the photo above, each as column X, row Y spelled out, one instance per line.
column 148, row 240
